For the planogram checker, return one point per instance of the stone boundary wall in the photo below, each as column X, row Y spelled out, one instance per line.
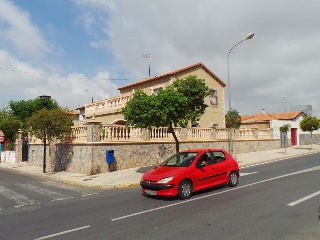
column 90, row 158
column 304, row 139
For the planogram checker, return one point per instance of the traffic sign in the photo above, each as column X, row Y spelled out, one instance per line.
column 1, row 136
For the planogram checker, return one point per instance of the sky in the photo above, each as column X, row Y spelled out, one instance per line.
column 76, row 50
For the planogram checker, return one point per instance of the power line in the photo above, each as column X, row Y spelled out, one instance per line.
column 60, row 76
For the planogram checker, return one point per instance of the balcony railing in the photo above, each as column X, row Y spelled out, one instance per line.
column 109, row 132
column 107, row 105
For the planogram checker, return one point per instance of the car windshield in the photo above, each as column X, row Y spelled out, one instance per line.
column 182, row 159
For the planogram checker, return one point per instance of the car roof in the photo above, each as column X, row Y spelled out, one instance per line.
column 204, row 150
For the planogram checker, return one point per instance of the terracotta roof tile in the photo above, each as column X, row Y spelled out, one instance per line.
column 175, row 72
column 268, row 117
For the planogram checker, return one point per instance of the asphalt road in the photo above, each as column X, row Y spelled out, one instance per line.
column 279, row 200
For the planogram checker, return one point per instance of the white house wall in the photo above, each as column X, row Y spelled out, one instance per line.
column 276, row 124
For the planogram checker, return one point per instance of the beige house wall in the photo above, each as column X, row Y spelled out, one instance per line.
column 259, row 125
column 214, row 113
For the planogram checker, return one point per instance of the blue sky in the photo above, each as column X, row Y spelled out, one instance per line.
column 73, row 50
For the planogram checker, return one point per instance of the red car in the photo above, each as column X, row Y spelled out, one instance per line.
column 190, row 171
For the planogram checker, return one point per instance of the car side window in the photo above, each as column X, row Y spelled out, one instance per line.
column 218, row 157
column 205, row 159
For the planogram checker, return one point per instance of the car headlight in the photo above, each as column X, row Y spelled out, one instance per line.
column 165, row 180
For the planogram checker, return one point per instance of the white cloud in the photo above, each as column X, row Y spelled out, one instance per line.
column 280, row 60
column 18, row 30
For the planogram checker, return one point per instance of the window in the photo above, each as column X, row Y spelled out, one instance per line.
column 156, row 89
column 213, row 97
column 218, row 157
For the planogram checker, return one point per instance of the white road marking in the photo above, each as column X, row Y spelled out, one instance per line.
column 217, row 193
column 61, row 233
column 246, row 174
column 18, row 198
column 88, row 194
column 60, row 199
column 304, row 199
column 42, row 191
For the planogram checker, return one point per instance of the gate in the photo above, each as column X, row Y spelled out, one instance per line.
column 294, row 136
column 25, row 150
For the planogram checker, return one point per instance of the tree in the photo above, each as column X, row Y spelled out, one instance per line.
column 172, row 107
column 310, row 124
column 9, row 124
column 165, row 109
column 24, row 109
column 139, row 111
column 49, row 124
column 195, row 90
column 52, row 123
column 233, row 121
column 284, row 129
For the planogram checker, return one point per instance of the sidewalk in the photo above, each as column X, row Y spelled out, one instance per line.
column 131, row 177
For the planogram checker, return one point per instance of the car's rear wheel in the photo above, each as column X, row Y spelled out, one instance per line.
column 185, row 189
column 233, row 179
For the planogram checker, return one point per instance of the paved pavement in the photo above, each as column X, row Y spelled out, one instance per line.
column 131, row 177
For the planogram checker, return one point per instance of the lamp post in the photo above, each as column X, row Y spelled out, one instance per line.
column 249, row 36
column 147, row 57
column 45, row 100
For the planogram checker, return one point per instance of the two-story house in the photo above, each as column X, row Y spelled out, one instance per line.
column 109, row 110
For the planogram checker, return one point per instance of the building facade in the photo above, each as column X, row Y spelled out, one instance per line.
column 109, row 110
column 275, row 121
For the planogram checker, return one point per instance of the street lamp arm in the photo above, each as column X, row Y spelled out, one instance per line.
column 249, row 36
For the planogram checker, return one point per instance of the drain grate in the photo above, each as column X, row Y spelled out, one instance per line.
column 30, row 206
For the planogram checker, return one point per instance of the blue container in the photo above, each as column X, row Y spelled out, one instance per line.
column 110, row 156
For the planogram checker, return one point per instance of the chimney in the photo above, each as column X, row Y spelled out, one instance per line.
column 263, row 111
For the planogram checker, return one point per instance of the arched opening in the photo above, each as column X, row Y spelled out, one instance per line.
column 119, row 122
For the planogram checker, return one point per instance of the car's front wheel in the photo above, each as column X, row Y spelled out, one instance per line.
column 185, row 189
column 233, row 179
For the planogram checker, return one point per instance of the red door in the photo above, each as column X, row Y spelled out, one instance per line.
column 293, row 136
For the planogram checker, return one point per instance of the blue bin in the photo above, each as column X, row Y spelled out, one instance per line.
column 110, row 159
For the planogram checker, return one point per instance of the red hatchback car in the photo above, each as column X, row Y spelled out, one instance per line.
column 190, row 171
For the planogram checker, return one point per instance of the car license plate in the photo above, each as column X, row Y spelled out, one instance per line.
column 151, row 192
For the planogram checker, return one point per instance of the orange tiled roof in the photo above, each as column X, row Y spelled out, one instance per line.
column 261, row 117
column 175, row 72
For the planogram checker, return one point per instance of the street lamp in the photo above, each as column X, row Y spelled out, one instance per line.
column 249, row 36
column 45, row 100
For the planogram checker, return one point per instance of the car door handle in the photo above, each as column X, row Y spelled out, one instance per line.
column 212, row 169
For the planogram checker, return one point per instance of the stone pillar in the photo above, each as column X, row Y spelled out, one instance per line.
column 255, row 133
column 236, row 134
column 19, row 147
column 93, row 135
column 93, row 131
column 271, row 133
column 184, row 134
column 145, row 134
column 213, row 133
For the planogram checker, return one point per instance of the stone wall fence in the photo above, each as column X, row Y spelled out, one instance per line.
column 88, row 156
